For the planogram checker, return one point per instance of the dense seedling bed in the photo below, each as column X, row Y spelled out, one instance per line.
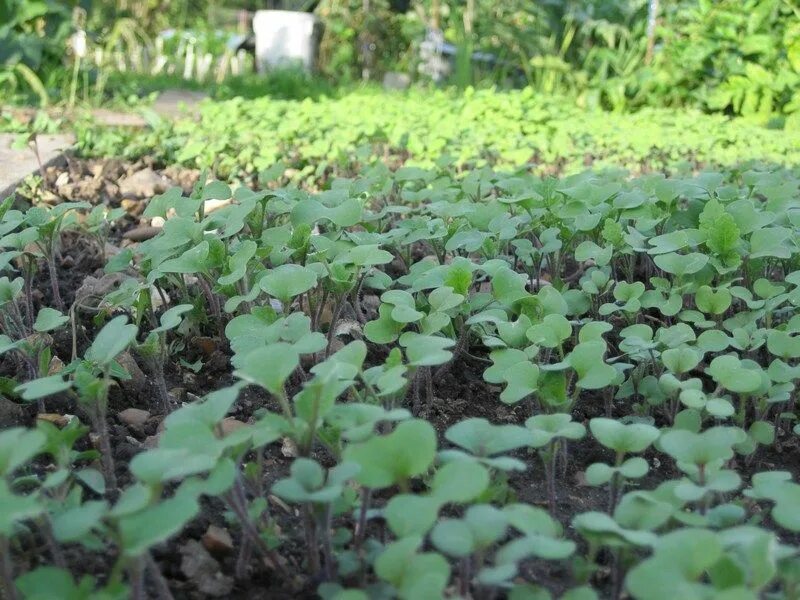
column 551, row 135
column 413, row 384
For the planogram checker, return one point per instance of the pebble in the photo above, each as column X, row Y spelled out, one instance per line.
column 140, row 234
column 143, row 183
column 217, row 540
column 134, row 416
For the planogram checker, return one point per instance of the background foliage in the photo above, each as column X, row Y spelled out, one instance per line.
column 725, row 56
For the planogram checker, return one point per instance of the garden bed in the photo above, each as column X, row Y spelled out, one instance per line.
column 420, row 383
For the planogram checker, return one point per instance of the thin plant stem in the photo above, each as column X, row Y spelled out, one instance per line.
column 327, row 546
column 136, row 576
column 466, row 576
column 549, row 460
column 51, row 269
column 28, row 278
column 429, row 398
column 357, row 299
column 243, row 560
column 53, row 546
column 156, row 368
column 107, row 458
column 312, row 545
column 318, row 312
column 7, row 570
column 162, row 588
column 332, row 327
column 213, row 305
column 361, row 529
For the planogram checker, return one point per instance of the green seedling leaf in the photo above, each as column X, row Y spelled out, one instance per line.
column 623, row 438
column 386, row 460
column 633, row 468
column 17, row 446
column 237, row 263
column 680, row 560
column 310, row 483
column 600, row 528
column 46, row 582
column 551, row 332
column 485, row 441
column 49, row 319
column 459, row 481
column 771, row 241
column 346, row 214
column 482, row 438
column 784, row 345
column 689, row 448
column 681, row 360
column 111, row 341
column 522, row 379
column 9, row 290
column 75, row 523
column 192, row 260
column 287, row 281
column 408, row 515
column 426, row 350
column 546, row 428
column 384, row 329
column 403, row 306
column 729, row 372
column 681, row 264
column 42, row 387
column 712, row 302
column 414, row 576
column 269, row 366
column 142, row 530
column 172, row 317
column 587, row 358
column 502, row 361
column 367, row 255
column 453, row 537
column 16, row 509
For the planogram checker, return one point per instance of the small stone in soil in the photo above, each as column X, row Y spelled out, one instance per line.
column 140, row 234
column 143, row 183
column 203, row 570
column 134, row 416
column 217, row 540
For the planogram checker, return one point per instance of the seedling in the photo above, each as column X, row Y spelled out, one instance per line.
column 317, row 491
column 622, row 439
column 93, row 379
column 549, row 433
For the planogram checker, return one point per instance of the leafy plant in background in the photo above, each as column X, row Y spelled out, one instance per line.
column 32, row 40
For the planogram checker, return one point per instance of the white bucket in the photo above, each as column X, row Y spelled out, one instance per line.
column 285, row 38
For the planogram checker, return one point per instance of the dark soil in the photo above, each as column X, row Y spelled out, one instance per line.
column 461, row 393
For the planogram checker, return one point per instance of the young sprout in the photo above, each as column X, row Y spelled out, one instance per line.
column 549, row 432
column 702, row 457
column 309, row 485
column 623, row 439
column 93, row 379
column 413, row 574
column 49, row 223
column 743, row 377
column 155, row 352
